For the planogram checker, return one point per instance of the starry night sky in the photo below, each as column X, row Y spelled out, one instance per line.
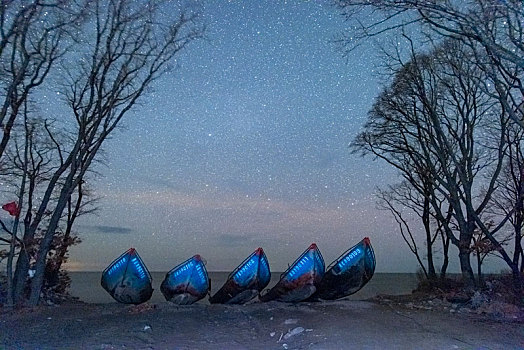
column 245, row 144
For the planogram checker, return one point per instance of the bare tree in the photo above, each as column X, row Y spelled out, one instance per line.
column 442, row 227
column 25, row 167
column 402, row 197
column 14, row 232
column 437, row 107
column 32, row 37
column 482, row 246
column 493, row 30
column 82, row 202
column 509, row 199
column 394, row 133
column 127, row 46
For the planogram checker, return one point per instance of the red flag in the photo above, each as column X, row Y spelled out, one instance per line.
column 11, row 208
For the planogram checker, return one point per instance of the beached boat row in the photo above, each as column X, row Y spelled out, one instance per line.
column 128, row 281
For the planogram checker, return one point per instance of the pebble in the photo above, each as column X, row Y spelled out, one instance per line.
column 293, row 332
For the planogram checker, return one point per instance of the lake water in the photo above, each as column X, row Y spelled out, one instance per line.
column 86, row 285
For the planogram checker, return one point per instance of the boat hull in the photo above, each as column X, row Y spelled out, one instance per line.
column 127, row 279
column 349, row 273
column 186, row 283
column 300, row 280
column 245, row 282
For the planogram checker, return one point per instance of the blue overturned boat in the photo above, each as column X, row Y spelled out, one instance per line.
column 127, row 279
column 186, row 283
column 349, row 273
column 246, row 281
column 301, row 280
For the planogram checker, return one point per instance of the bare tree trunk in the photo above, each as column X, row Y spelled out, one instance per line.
column 28, row 136
column 62, row 250
column 432, row 275
column 479, row 269
column 21, row 272
column 7, row 130
column 519, row 205
column 10, row 299
column 465, row 267
column 38, row 279
column 445, row 233
column 22, row 264
column 10, row 295
column 517, row 248
column 522, row 262
column 517, row 279
column 466, row 235
column 517, row 229
column 517, row 276
column 445, row 262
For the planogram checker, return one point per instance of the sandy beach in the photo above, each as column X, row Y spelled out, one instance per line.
column 328, row 325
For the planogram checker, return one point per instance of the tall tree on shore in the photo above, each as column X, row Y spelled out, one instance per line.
column 25, row 170
column 130, row 46
column 509, row 199
column 123, row 48
column 436, row 114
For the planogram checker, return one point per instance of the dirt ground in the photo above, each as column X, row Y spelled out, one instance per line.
column 327, row 325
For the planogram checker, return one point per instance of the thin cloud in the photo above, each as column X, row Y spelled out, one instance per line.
column 109, row 229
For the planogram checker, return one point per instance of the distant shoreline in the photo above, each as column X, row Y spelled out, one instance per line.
column 86, row 285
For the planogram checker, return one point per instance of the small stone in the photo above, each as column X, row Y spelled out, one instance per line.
column 293, row 332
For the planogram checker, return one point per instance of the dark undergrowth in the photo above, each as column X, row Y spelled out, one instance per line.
column 499, row 287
